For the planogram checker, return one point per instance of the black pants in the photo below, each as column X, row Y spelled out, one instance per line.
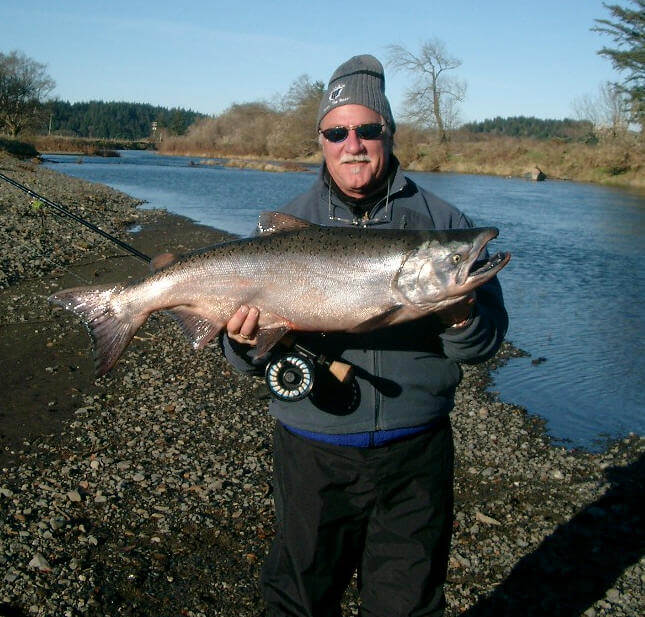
column 386, row 512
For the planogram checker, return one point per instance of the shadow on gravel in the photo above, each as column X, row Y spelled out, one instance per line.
column 576, row 565
column 6, row 610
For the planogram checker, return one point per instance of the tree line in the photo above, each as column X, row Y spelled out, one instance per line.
column 522, row 126
column 115, row 120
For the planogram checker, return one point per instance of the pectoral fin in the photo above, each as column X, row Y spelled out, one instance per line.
column 268, row 338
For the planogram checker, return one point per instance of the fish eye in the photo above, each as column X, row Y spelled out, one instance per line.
column 456, row 258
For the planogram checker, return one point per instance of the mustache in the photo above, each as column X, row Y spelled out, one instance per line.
column 355, row 158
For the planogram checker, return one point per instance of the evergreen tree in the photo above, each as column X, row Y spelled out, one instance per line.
column 521, row 126
column 627, row 29
column 116, row 120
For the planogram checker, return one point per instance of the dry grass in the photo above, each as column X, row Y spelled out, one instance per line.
column 612, row 161
column 616, row 162
column 83, row 145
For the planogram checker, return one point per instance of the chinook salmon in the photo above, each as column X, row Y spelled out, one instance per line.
column 301, row 276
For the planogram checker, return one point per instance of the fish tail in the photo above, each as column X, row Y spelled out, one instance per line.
column 111, row 330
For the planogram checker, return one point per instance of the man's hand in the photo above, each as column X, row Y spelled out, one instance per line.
column 243, row 325
column 457, row 315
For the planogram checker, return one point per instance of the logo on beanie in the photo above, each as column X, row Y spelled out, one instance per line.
column 336, row 92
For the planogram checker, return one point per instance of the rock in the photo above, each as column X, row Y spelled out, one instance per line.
column 487, row 520
column 40, row 563
column 74, row 496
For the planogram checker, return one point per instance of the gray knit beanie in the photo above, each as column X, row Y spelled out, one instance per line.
column 359, row 81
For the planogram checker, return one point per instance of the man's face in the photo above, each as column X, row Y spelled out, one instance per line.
column 356, row 165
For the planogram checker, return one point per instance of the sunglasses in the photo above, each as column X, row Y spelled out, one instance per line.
column 372, row 130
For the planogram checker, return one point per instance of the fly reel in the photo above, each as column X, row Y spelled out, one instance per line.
column 290, row 377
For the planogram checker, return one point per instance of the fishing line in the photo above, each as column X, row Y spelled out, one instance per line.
column 60, row 265
column 75, row 217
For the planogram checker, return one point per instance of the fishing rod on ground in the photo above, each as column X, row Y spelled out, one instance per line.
column 75, row 217
column 289, row 376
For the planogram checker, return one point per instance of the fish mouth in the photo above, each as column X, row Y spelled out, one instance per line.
column 488, row 268
column 482, row 269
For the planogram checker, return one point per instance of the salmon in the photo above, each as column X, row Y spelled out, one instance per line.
column 302, row 277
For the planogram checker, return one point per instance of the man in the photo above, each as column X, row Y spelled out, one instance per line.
column 363, row 474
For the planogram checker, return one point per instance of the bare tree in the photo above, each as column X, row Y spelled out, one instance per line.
column 294, row 134
column 432, row 100
column 24, row 84
column 608, row 111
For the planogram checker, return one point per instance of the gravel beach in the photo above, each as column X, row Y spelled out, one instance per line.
column 148, row 492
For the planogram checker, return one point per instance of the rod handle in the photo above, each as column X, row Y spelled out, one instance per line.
column 342, row 371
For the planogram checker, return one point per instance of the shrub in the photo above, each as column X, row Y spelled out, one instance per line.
column 17, row 148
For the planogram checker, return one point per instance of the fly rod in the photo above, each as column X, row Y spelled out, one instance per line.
column 290, row 377
column 65, row 212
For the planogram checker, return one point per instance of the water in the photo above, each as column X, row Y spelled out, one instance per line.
column 574, row 287
column 222, row 197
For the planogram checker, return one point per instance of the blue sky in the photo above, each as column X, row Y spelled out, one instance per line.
column 519, row 57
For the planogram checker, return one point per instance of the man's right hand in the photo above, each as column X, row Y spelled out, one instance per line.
column 243, row 325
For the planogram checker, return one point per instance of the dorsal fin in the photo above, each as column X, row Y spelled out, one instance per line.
column 273, row 222
column 161, row 261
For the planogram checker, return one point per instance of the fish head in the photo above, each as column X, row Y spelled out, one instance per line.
column 447, row 266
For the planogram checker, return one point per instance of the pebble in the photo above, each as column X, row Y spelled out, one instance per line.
column 40, row 563
column 488, row 520
column 156, row 497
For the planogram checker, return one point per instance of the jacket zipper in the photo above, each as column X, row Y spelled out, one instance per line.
column 377, row 394
column 376, row 356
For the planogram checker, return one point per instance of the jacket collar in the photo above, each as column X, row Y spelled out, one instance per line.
column 345, row 209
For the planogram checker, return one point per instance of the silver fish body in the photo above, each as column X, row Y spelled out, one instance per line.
column 301, row 277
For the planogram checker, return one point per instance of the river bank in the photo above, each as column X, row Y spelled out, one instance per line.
column 148, row 492
column 619, row 163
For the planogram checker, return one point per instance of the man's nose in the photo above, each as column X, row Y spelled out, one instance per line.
column 353, row 143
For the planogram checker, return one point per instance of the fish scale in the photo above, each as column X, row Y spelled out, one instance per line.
column 300, row 276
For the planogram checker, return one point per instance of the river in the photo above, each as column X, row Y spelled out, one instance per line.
column 574, row 288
